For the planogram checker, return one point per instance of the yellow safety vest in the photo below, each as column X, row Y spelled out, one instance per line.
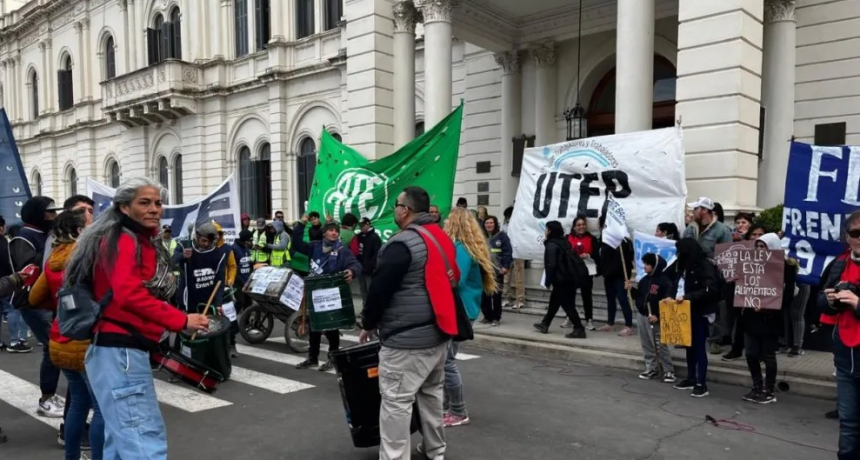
column 261, row 256
column 278, row 256
column 254, row 246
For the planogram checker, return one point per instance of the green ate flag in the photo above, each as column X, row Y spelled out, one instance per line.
column 346, row 182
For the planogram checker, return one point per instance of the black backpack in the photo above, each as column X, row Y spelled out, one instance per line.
column 722, row 284
column 570, row 265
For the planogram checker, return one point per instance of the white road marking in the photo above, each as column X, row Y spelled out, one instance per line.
column 275, row 356
column 181, row 396
column 352, row 338
column 273, row 383
column 24, row 396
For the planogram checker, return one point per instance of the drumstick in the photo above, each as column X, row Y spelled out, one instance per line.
column 208, row 305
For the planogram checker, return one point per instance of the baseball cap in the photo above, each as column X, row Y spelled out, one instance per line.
column 166, row 229
column 702, row 202
column 261, row 223
column 245, row 216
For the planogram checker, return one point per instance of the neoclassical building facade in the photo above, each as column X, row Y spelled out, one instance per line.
column 190, row 91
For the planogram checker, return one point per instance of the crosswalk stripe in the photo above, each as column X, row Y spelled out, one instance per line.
column 278, row 357
column 23, row 396
column 354, row 339
column 273, row 383
column 182, row 396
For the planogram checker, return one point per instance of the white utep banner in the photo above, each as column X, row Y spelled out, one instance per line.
column 643, row 171
column 222, row 206
column 616, row 224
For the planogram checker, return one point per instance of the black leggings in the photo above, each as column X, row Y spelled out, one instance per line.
column 491, row 305
column 762, row 348
column 562, row 297
column 333, row 337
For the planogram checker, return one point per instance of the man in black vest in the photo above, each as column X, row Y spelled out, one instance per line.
column 202, row 265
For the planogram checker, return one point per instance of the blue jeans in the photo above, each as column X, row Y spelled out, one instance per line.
column 17, row 327
column 121, row 381
column 697, row 352
column 76, row 419
column 848, row 405
column 40, row 323
column 615, row 292
column 454, row 383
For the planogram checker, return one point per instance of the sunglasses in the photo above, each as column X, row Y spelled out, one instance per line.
column 855, row 233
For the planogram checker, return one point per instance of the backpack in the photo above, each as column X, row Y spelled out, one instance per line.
column 571, row 266
column 722, row 284
column 78, row 311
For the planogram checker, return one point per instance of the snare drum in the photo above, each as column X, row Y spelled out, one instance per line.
column 188, row 370
column 212, row 348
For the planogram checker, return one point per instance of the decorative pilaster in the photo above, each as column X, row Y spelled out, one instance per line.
column 634, row 87
column 405, row 18
column 779, row 10
column 438, row 40
column 509, row 61
column 545, row 93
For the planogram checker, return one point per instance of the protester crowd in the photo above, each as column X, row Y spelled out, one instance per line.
column 414, row 288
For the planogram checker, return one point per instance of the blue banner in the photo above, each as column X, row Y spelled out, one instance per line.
column 821, row 190
column 14, row 189
column 648, row 244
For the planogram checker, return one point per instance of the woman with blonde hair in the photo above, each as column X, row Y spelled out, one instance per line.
column 476, row 277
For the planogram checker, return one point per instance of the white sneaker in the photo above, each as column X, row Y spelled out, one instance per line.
column 420, row 449
column 589, row 325
column 566, row 324
column 51, row 408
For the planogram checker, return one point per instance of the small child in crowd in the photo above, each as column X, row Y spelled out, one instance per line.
column 653, row 287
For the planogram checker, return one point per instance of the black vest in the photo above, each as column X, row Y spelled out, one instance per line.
column 202, row 271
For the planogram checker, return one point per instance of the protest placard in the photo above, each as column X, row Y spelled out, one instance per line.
column 675, row 325
column 759, row 274
column 727, row 256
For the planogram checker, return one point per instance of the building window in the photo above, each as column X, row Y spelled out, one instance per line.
column 177, row 178
column 264, row 180
column 110, row 59
column 419, row 128
column 163, row 176
column 241, row 28
column 113, row 174
column 304, row 18
column 34, row 95
column 247, row 190
column 164, row 38
column 64, row 84
column 307, row 165
column 333, row 12
column 72, row 182
column 37, row 183
column 263, row 24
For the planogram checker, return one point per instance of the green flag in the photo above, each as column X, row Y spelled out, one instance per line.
column 346, row 182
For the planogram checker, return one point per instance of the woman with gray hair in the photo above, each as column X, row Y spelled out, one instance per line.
column 120, row 258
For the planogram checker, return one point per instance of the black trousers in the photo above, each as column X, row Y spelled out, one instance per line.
column 491, row 305
column 333, row 337
column 563, row 297
column 587, row 299
column 762, row 348
column 738, row 334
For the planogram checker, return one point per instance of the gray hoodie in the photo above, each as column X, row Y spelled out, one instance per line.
column 283, row 238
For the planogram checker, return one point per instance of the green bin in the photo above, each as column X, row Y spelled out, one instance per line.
column 329, row 302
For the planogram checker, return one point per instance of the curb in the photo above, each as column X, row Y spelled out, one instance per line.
column 799, row 385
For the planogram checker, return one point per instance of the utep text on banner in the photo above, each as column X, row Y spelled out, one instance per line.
column 643, row 171
column 648, row 244
column 222, row 206
column 821, row 190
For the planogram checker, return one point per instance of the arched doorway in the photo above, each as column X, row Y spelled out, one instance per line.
column 601, row 109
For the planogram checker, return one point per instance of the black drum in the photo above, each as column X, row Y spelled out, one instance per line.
column 358, row 376
column 211, row 349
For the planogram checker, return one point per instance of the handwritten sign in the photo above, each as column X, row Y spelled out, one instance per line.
column 760, row 279
column 727, row 256
column 675, row 325
column 326, row 300
column 294, row 292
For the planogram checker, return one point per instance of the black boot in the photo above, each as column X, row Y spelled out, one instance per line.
column 753, row 394
column 578, row 333
column 542, row 328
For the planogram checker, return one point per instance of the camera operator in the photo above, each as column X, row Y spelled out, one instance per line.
column 839, row 301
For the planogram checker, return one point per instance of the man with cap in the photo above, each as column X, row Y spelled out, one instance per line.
column 246, row 221
column 278, row 244
column 167, row 239
column 28, row 248
column 259, row 231
column 369, row 243
column 705, row 228
column 325, row 257
column 202, row 265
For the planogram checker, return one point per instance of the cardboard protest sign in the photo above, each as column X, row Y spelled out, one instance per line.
column 676, row 327
column 759, row 274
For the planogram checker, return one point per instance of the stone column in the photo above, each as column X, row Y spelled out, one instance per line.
column 43, row 80
column 86, row 73
column 780, row 37
column 19, row 80
column 509, row 61
column 405, row 17
column 78, row 65
column 545, row 91
column 126, row 35
column 634, row 93
column 278, row 25
column 131, row 36
column 369, row 48
column 438, row 40
column 319, row 6
column 227, row 44
column 718, row 94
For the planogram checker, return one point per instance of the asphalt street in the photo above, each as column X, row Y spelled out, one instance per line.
column 520, row 409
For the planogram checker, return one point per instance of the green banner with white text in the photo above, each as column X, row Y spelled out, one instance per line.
column 346, row 182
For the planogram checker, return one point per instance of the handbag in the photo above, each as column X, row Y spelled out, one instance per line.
column 464, row 325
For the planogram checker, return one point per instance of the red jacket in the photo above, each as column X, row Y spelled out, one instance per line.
column 847, row 321
column 437, row 278
column 132, row 303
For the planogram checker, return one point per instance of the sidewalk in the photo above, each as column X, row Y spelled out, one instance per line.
column 809, row 375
